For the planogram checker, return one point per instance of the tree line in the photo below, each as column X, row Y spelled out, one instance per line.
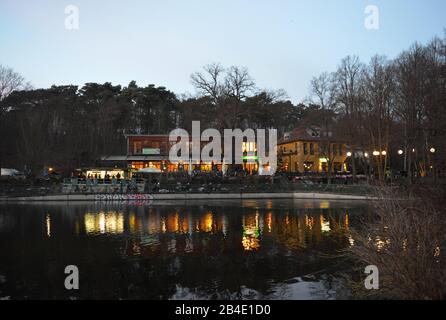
column 392, row 111
column 70, row 126
column 396, row 106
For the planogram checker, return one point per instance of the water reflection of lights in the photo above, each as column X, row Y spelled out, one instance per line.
column 101, row 222
column 172, row 222
column 207, row 222
column 437, row 252
column 347, row 222
column 325, row 224
column 184, row 225
column 269, row 204
column 405, row 245
column 324, row 205
column 48, row 225
column 380, row 243
column 269, row 221
column 309, row 222
column 351, row 240
column 292, row 229
column 77, row 227
column 224, row 223
column 308, row 205
column 250, row 244
column 153, row 224
column 251, row 233
column 110, row 222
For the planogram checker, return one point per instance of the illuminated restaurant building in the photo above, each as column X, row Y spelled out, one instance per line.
column 304, row 151
column 152, row 151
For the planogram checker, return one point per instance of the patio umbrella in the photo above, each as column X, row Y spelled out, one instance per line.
column 149, row 170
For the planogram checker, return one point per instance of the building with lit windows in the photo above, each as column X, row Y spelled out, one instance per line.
column 152, row 151
column 307, row 150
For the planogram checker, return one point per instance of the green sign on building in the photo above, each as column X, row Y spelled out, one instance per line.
column 151, row 151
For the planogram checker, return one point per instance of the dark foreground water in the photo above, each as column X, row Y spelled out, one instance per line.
column 280, row 249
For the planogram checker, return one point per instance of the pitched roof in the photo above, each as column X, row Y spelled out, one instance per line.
column 311, row 134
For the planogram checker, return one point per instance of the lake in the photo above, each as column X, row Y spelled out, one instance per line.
column 250, row 249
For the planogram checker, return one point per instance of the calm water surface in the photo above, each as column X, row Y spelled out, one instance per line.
column 280, row 249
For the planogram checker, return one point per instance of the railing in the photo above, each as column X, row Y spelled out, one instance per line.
column 81, row 185
column 206, row 183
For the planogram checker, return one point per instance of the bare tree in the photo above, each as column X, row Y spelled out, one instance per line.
column 348, row 98
column 227, row 88
column 210, row 83
column 421, row 90
column 10, row 81
column 378, row 108
column 238, row 82
column 323, row 93
column 238, row 85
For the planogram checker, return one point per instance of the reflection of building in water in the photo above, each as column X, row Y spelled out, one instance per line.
column 133, row 223
column 185, row 223
column 153, row 230
column 298, row 231
column 159, row 231
column 206, row 222
column 309, row 222
column 172, row 222
column 251, row 232
column 109, row 222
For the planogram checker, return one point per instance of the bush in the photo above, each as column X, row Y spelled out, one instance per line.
column 406, row 240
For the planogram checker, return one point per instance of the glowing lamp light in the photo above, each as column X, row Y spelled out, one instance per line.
column 366, row 155
column 349, row 154
column 376, row 153
column 384, row 153
column 400, row 152
column 432, row 150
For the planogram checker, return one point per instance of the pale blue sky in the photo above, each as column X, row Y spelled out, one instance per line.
column 283, row 43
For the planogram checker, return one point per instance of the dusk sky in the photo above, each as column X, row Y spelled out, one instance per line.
column 282, row 43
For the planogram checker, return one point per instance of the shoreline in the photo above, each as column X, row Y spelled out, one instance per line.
column 188, row 196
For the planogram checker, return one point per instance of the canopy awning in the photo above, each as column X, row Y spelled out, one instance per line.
column 134, row 158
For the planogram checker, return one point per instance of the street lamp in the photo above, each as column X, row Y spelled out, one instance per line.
column 400, row 152
column 376, row 153
column 366, row 155
column 432, row 150
column 349, row 154
column 384, row 153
